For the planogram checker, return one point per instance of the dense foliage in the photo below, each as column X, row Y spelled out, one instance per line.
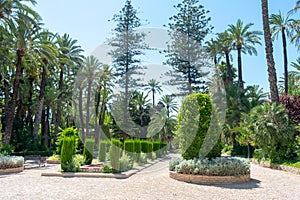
column 7, row 162
column 67, row 154
column 193, row 123
column 88, row 151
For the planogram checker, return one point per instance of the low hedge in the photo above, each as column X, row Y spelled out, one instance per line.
column 8, row 162
column 220, row 166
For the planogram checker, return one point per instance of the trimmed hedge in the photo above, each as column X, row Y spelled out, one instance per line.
column 115, row 153
column 129, row 147
column 67, row 153
column 144, row 146
column 137, row 149
column 102, row 151
column 88, row 150
column 156, row 149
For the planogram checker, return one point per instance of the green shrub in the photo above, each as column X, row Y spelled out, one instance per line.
column 144, row 146
column 68, row 132
column 156, row 149
column 220, row 166
column 227, row 149
column 88, row 150
column 150, row 150
column 137, row 149
column 7, row 162
column 194, row 120
column 102, row 151
column 143, row 158
column 115, row 153
column 129, row 147
column 106, row 168
column 67, row 154
column 174, row 162
column 126, row 163
column 164, row 148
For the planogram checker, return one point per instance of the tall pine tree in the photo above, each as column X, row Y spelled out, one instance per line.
column 128, row 44
column 188, row 29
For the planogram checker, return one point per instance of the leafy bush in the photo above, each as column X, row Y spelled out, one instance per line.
column 143, row 158
column 174, row 162
column 193, row 124
column 68, row 132
column 115, row 153
column 125, row 163
column 220, row 166
column 227, row 149
column 7, row 162
column 270, row 129
column 67, row 152
column 88, row 150
column 106, row 168
column 102, row 151
column 292, row 105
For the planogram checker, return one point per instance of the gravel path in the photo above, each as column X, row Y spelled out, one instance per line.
column 151, row 183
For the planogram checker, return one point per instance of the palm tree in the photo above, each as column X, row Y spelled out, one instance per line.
column 244, row 42
column 169, row 103
column 296, row 65
column 213, row 48
column 153, row 86
column 281, row 25
column 225, row 43
column 269, row 52
column 22, row 30
column 69, row 57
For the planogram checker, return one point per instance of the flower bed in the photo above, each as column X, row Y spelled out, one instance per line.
column 219, row 170
column 11, row 164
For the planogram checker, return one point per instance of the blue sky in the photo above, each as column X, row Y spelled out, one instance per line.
column 87, row 21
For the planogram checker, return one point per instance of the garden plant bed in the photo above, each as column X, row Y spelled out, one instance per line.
column 290, row 169
column 199, row 179
column 11, row 170
column 91, row 167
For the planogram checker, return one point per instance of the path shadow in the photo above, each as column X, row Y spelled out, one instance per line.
column 252, row 184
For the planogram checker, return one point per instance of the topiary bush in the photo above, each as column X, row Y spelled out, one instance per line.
column 115, row 153
column 150, row 148
column 68, row 132
column 137, row 149
column 144, row 146
column 220, row 166
column 102, row 151
column 88, row 150
column 193, row 124
column 129, row 147
column 67, row 154
column 156, row 149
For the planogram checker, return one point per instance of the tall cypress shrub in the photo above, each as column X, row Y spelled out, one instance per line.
column 67, row 154
column 88, row 150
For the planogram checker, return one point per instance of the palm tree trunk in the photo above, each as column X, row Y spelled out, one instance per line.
column 59, row 103
column 97, row 125
column 153, row 93
column 38, row 115
column 11, row 112
column 80, row 103
column 269, row 53
column 240, row 75
column 285, row 62
column 88, row 102
column 229, row 71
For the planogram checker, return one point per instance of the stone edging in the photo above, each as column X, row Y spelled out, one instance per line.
column 123, row 175
column 11, row 170
column 199, row 179
column 290, row 169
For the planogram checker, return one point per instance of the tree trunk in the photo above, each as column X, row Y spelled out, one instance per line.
column 285, row 64
column 59, row 103
column 88, row 103
column 38, row 114
column 29, row 121
column 240, row 75
column 269, row 53
column 11, row 112
column 97, row 126
column 80, row 103
column 153, row 97
column 229, row 71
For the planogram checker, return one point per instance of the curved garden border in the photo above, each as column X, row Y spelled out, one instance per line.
column 11, row 170
column 199, row 179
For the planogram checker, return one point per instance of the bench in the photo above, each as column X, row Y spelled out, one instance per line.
column 34, row 160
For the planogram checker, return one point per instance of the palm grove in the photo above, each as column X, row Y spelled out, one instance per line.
column 39, row 68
